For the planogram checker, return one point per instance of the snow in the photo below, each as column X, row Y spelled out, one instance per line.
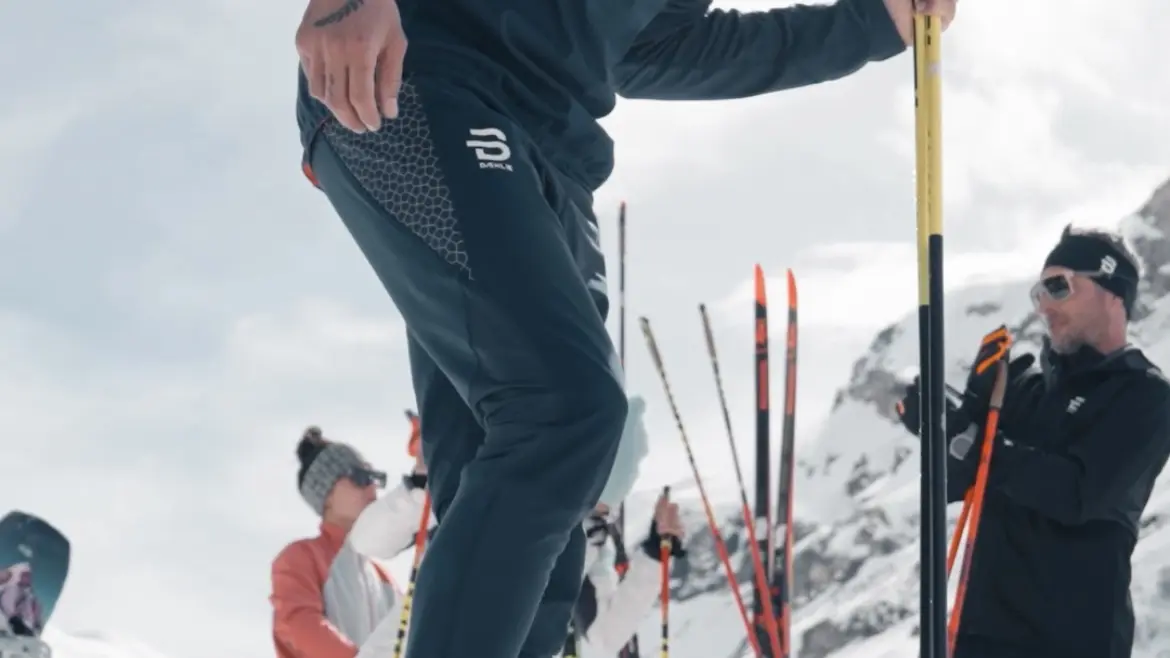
column 86, row 645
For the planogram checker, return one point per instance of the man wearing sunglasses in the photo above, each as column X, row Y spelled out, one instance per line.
column 328, row 596
column 1081, row 440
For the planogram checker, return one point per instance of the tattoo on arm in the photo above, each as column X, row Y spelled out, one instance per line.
column 350, row 7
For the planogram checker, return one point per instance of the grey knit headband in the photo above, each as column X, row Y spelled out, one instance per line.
column 334, row 462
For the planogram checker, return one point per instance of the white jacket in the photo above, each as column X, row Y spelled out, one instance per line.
column 621, row 607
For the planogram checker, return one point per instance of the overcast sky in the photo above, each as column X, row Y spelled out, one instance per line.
column 177, row 303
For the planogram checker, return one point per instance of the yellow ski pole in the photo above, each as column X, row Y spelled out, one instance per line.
column 928, row 179
column 420, row 540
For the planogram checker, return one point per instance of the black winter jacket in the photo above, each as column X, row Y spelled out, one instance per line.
column 1082, row 440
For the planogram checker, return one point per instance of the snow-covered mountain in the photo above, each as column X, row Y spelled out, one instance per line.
column 856, row 567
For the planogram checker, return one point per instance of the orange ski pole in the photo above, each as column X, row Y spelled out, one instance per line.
column 957, row 537
column 976, row 495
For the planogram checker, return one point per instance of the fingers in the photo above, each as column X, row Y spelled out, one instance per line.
column 934, row 7
column 361, row 93
column 388, row 77
column 314, row 68
column 337, row 93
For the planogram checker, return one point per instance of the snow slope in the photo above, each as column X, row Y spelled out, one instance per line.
column 856, row 568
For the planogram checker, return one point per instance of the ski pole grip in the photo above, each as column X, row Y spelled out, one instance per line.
column 999, row 390
column 667, row 542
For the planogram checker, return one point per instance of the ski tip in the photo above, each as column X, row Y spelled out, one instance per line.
column 791, row 289
column 622, row 206
column 761, row 292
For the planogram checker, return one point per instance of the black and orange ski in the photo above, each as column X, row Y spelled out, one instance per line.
column 781, row 573
column 764, row 536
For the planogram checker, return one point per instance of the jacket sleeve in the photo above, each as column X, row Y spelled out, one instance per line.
column 387, row 526
column 299, row 621
column 692, row 52
column 619, row 616
column 1106, row 470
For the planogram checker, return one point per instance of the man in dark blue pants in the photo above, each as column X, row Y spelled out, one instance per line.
column 502, row 288
column 473, row 204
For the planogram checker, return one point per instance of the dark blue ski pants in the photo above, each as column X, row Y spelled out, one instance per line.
column 492, row 259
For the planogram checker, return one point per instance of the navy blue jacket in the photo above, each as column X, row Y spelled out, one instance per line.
column 556, row 66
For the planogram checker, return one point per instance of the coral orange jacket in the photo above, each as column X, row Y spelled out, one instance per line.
column 330, row 592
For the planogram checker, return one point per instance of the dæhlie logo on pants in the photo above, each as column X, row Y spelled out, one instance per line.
column 491, row 148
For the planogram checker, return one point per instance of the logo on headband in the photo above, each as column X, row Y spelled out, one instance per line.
column 1108, row 265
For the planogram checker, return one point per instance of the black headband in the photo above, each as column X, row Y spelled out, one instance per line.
column 1101, row 262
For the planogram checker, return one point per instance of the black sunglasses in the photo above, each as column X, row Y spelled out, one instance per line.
column 364, row 477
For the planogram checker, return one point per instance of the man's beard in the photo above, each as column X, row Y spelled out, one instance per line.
column 1069, row 343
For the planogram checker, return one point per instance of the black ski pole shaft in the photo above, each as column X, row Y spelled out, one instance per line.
column 622, row 561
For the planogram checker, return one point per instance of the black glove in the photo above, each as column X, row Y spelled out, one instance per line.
column 415, row 481
column 596, row 530
column 909, row 412
column 653, row 544
column 1025, row 389
column 995, row 348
